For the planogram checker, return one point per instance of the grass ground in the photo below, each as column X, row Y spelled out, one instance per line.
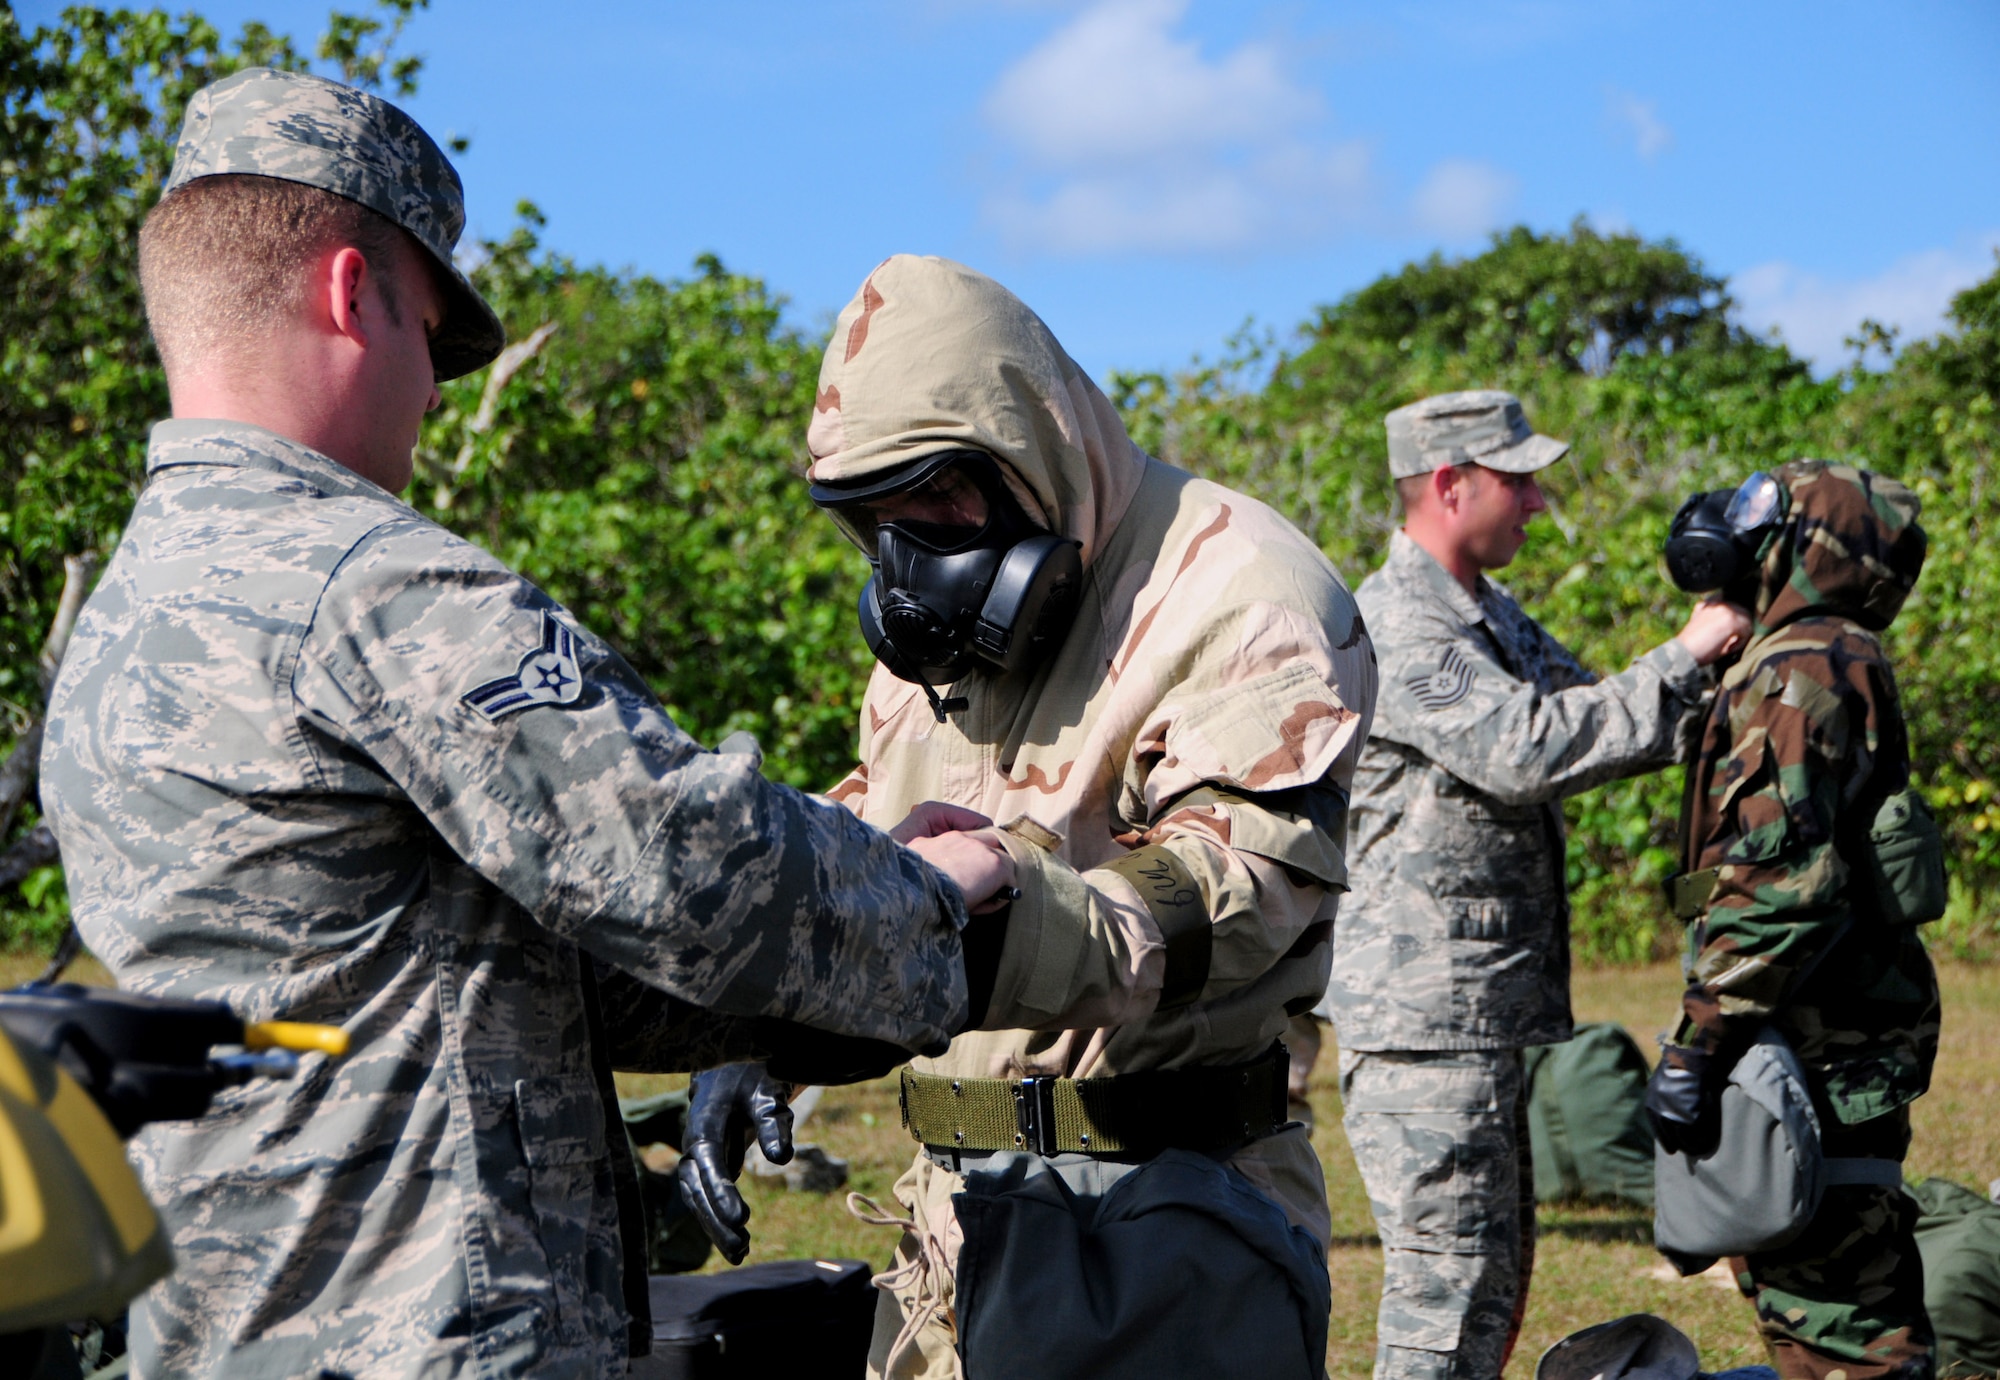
column 1592, row 1263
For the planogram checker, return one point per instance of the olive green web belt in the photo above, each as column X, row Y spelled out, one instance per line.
column 1208, row 1108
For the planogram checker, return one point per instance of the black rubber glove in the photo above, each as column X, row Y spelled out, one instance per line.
column 1683, row 1099
column 726, row 1107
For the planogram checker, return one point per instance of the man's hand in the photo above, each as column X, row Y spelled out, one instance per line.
column 935, row 817
column 1713, row 631
column 726, row 1106
column 975, row 860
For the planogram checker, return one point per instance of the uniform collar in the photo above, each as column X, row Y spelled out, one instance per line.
column 1414, row 563
column 240, row 445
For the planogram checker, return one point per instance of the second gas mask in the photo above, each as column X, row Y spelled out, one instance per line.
column 1718, row 539
column 963, row 579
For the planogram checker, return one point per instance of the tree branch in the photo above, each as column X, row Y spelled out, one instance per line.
column 510, row 362
column 78, row 572
column 17, row 773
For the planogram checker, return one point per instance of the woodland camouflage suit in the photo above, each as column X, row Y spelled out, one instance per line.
column 1210, row 700
column 1805, row 740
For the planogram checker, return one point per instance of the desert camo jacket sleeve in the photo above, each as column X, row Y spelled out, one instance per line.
column 313, row 756
column 1456, row 933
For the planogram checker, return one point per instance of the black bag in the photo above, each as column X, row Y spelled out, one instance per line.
column 1177, row 1268
column 801, row 1319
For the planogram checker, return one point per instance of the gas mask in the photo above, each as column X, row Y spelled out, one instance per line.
column 963, row 579
column 1718, row 539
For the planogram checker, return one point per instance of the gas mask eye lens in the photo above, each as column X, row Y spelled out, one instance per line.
column 1755, row 505
column 939, row 501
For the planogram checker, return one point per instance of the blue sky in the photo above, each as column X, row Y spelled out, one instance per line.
column 1149, row 173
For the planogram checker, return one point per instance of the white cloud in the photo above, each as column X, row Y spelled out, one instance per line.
column 1116, row 84
column 1815, row 314
column 1122, row 135
column 1640, row 120
column 1460, row 199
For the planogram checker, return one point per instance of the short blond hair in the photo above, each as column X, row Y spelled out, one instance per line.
column 223, row 260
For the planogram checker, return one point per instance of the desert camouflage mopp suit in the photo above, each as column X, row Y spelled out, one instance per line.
column 1210, row 700
column 1805, row 739
column 1452, row 951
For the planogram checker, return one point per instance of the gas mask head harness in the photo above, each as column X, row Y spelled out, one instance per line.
column 1718, row 539
column 963, row 578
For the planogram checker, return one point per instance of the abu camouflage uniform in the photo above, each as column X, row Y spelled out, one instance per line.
column 1805, row 740
column 1452, row 951
column 1208, row 702
column 315, row 757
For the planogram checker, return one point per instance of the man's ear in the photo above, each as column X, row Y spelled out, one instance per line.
column 1444, row 488
column 344, row 287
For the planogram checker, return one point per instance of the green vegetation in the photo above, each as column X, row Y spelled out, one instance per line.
column 1625, row 347
column 638, row 451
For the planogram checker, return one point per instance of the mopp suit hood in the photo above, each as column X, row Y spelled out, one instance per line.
column 931, row 356
column 1850, row 545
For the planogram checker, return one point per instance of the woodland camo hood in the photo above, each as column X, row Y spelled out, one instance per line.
column 1850, row 545
column 931, row 356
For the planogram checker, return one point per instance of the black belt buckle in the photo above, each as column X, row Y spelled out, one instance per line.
column 1035, row 1115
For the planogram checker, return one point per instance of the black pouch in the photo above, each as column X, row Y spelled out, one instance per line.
column 802, row 1319
column 1178, row 1268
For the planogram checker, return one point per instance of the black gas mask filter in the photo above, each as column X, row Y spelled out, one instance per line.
column 963, row 579
column 1717, row 542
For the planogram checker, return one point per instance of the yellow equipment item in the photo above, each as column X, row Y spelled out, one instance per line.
column 78, row 1239
column 296, row 1036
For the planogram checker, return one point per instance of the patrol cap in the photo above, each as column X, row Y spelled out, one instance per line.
column 303, row 128
column 1483, row 427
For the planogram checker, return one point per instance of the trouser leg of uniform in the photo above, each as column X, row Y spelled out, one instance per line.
column 1524, row 1216
column 1435, row 1138
column 1845, row 1300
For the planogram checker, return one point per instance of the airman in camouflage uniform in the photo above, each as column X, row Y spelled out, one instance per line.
column 1805, row 739
column 1200, row 720
column 1452, row 951
column 313, row 756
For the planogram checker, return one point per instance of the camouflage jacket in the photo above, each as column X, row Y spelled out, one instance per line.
column 1804, row 741
column 1456, row 933
column 311, row 755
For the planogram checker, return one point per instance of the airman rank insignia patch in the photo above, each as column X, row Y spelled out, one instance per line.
column 548, row 675
column 1446, row 686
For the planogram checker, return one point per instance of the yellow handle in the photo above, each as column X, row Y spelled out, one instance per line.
column 296, row 1036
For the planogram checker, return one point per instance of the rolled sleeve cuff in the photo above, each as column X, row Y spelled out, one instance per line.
column 1676, row 666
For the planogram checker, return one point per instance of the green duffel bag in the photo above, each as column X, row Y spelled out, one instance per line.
column 1958, row 1237
column 1586, row 1119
